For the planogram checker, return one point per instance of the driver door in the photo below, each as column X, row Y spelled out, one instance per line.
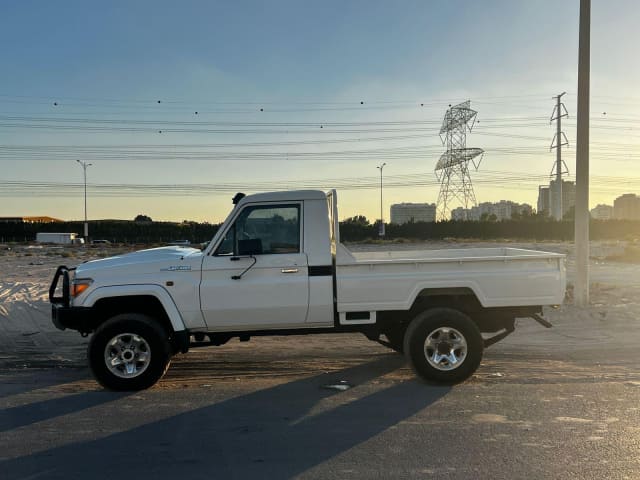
column 265, row 288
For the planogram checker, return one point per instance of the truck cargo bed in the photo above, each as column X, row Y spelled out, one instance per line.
column 498, row 277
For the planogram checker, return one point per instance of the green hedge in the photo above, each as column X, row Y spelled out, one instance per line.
column 122, row 231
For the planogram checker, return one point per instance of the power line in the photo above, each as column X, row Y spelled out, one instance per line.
column 156, row 101
column 495, row 179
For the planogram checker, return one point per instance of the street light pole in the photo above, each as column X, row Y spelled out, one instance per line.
column 86, row 224
column 381, row 229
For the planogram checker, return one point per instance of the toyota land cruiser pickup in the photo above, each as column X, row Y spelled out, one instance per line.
column 277, row 267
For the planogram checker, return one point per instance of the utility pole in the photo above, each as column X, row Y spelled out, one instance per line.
column 86, row 224
column 452, row 168
column 559, row 139
column 381, row 227
column 581, row 284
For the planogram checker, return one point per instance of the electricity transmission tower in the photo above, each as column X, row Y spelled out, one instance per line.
column 560, row 168
column 452, row 169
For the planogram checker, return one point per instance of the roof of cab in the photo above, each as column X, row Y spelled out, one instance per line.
column 285, row 196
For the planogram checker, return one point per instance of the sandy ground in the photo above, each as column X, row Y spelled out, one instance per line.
column 29, row 340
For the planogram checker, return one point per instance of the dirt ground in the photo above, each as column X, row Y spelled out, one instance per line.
column 29, row 340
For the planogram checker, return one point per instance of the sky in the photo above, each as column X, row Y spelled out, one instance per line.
column 293, row 94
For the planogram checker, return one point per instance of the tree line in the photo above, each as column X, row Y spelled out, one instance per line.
column 353, row 229
column 532, row 227
column 116, row 231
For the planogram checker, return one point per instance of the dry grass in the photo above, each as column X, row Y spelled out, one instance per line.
column 631, row 254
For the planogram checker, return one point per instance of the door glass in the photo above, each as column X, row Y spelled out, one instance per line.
column 227, row 245
column 277, row 227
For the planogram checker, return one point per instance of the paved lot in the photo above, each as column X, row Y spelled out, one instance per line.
column 259, row 410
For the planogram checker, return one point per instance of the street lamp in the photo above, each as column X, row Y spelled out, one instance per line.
column 86, row 225
column 381, row 228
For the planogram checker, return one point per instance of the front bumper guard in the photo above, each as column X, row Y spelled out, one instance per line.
column 63, row 315
column 65, row 299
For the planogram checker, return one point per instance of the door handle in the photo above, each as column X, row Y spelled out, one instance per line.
column 289, row 270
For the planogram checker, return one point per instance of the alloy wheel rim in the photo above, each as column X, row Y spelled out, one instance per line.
column 127, row 355
column 445, row 348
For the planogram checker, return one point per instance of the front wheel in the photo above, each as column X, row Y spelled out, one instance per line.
column 443, row 345
column 129, row 352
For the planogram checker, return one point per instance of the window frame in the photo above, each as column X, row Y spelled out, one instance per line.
column 262, row 206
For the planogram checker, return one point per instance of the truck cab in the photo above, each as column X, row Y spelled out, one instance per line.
column 270, row 265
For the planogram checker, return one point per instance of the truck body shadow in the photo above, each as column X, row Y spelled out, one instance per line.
column 270, row 433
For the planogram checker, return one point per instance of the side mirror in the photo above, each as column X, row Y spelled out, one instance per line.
column 251, row 246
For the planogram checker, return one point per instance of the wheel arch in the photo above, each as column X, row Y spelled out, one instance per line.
column 458, row 298
column 462, row 299
column 147, row 299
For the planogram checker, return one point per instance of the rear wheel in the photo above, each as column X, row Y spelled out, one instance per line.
column 443, row 345
column 129, row 352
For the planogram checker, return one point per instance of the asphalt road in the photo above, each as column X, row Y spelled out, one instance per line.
column 567, row 409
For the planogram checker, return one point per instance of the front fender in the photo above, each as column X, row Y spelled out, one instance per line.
column 129, row 290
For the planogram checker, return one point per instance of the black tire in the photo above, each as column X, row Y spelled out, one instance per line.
column 445, row 326
column 150, row 339
column 395, row 337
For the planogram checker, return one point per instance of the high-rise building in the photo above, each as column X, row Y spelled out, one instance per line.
column 602, row 212
column 413, row 212
column 546, row 197
column 544, row 207
column 568, row 195
column 627, row 207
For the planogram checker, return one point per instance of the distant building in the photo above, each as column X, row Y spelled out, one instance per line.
column 544, row 207
column 29, row 220
column 413, row 212
column 568, row 195
column 602, row 212
column 502, row 210
column 546, row 197
column 460, row 214
column 627, row 207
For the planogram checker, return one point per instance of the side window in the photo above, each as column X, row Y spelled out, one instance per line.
column 277, row 227
column 227, row 245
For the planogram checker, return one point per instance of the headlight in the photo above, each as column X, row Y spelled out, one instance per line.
column 79, row 285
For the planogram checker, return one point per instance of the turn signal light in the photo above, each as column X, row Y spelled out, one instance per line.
column 79, row 286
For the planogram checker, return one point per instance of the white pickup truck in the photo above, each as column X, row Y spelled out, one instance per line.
column 277, row 267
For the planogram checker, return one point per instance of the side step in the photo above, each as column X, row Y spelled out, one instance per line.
column 357, row 318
